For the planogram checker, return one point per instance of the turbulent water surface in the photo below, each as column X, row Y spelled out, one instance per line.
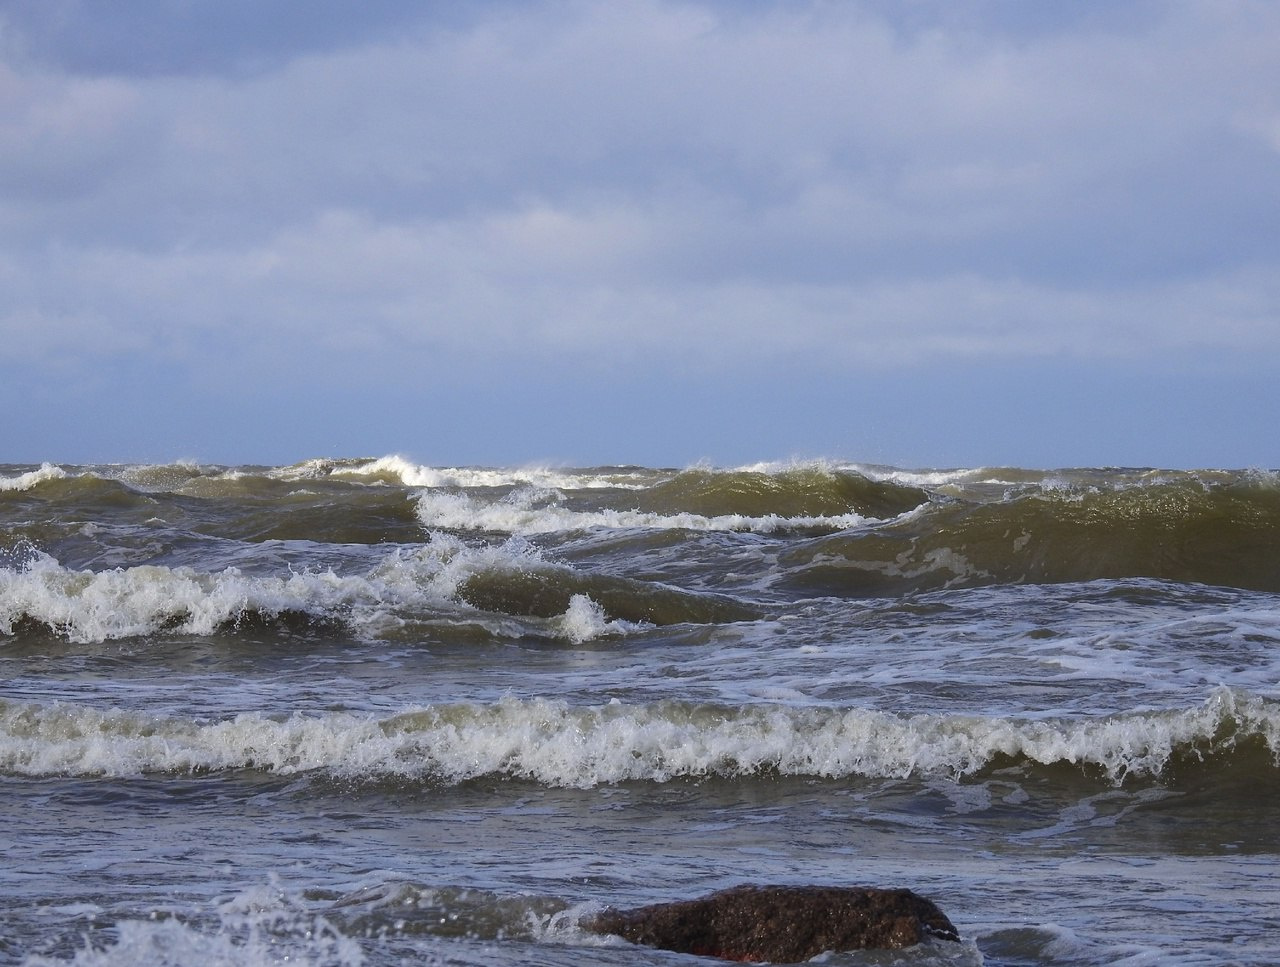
column 368, row 712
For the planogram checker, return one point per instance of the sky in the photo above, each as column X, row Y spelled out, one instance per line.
column 919, row 233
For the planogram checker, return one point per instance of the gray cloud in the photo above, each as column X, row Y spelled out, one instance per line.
column 865, row 184
column 147, row 38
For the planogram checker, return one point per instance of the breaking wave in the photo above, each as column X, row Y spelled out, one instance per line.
column 442, row 578
column 552, row 743
column 29, row 479
column 396, row 470
column 531, row 512
column 799, row 499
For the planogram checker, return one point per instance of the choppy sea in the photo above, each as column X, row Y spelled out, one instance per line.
column 369, row 712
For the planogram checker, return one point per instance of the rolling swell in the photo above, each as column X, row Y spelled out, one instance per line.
column 230, row 505
column 806, row 500
column 812, row 491
column 1222, row 534
column 549, row 592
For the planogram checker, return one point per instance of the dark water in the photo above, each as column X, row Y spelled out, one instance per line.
column 367, row 712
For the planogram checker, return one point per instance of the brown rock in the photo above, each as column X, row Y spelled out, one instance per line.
column 783, row 924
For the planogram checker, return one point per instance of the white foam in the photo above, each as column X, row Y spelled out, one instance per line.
column 177, row 477
column 774, row 468
column 529, row 512
column 585, row 620
column 93, row 606
column 551, row 742
column 258, row 928
column 25, row 481
column 90, row 606
column 930, row 478
column 935, row 479
column 125, row 602
column 411, row 474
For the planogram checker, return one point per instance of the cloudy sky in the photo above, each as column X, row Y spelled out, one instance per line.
column 899, row 231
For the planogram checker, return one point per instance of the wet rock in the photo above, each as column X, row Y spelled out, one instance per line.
column 782, row 924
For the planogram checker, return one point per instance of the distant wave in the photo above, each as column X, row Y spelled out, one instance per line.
column 528, row 512
column 850, row 531
column 397, row 470
column 1219, row 529
column 553, row 743
column 783, row 501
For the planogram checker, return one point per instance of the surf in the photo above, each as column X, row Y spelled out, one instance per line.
column 552, row 742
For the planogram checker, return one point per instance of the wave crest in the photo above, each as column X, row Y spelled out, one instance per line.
column 32, row 478
column 444, row 578
column 553, row 743
column 1223, row 534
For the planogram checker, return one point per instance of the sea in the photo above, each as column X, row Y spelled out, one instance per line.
column 371, row 712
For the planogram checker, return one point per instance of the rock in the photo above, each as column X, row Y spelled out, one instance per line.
column 783, row 924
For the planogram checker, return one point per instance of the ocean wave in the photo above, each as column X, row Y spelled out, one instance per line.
column 442, row 578
column 397, row 470
column 32, row 478
column 142, row 478
column 550, row 742
column 849, row 533
column 89, row 606
column 952, row 478
column 530, row 512
column 1180, row 529
column 799, row 491
column 786, row 500
column 698, row 497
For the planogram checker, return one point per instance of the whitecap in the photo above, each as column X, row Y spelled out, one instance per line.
column 261, row 926
column 585, row 620
column 93, row 606
column 32, row 478
column 530, row 512
column 554, row 743
column 409, row 474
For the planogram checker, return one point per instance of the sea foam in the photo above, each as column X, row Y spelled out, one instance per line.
column 554, row 743
column 25, row 481
column 87, row 606
column 532, row 511
column 259, row 927
column 93, row 606
column 396, row 469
